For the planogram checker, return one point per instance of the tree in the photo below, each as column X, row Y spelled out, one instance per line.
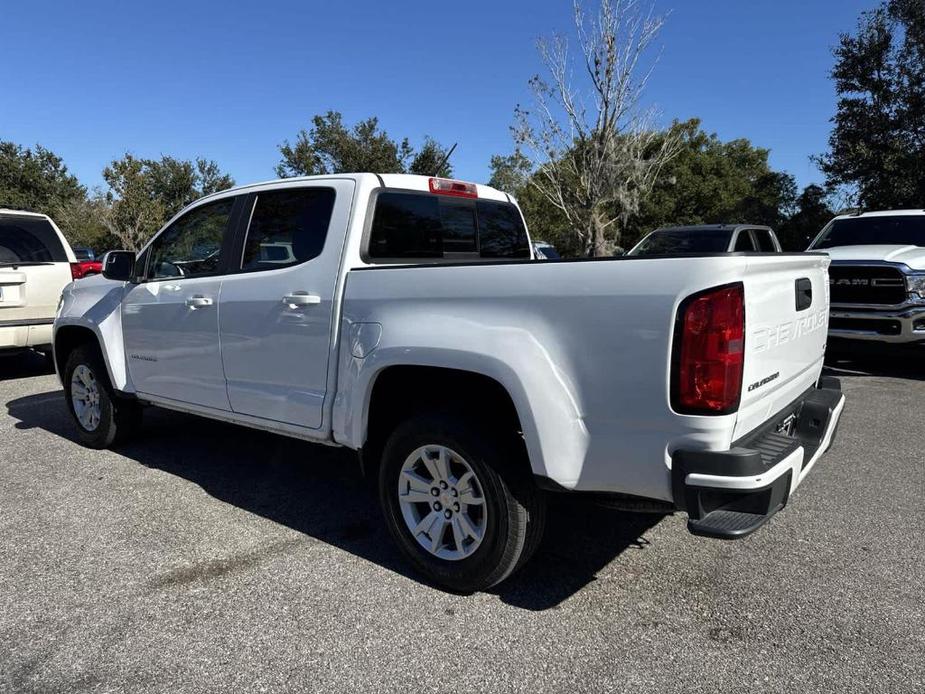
column 431, row 160
column 132, row 212
column 510, row 173
column 81, row 221
column 35, row 179
column 813, row 213
column 144, row 193
column 714, row 182
column 877, row 145
column 331, row 147
column 596, row 164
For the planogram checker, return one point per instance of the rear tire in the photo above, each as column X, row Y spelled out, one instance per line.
column 459, row 500
column 103, row 418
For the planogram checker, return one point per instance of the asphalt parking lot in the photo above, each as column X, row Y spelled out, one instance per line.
column 204, row 557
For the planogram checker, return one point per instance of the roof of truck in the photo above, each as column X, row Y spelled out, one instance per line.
column 881, row 213
column 25, row 213
column 391, row 180
column 713, row 227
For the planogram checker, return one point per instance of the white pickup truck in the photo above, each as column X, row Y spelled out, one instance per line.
column 877, row 275
column 410, row 323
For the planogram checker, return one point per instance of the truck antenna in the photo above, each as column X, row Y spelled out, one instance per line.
column 445, row 159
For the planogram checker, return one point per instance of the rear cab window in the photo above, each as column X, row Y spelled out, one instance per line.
column 408, row 225
column 28, row 240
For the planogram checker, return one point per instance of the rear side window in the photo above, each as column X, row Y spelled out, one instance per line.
column 763, row 237
column 744, row 243
column 29, row 240
column 409, row 225
column 287, row 227
column 501, row 231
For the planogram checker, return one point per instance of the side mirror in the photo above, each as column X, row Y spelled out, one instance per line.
column 119, row 266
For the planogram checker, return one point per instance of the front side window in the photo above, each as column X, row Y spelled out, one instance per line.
column 409, row 225
column 25, row 240
column 192, row 245
column 287, row 227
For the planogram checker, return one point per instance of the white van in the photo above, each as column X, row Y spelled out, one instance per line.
column 36, row 263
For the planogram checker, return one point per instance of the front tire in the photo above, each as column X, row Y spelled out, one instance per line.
column 459, row 500
column 102, row 418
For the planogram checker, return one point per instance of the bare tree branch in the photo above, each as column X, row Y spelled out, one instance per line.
column 596, row 165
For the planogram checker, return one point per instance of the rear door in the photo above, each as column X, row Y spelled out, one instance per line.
column 786, row 322
column 277, row 309
column 34, row 268
column 170, row 318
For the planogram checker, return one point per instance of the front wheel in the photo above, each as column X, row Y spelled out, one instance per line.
column 459, row 500
column 102, row 418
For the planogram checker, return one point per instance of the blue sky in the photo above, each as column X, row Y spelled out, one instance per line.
column 92, row 80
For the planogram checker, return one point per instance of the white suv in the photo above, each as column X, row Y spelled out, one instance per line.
column 36, row 263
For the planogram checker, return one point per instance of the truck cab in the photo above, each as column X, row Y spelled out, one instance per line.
column 708, row 238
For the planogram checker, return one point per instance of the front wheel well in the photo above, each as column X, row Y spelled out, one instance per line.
column 402, row 391
column 67, row 339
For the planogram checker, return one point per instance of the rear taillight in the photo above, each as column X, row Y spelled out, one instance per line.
column 445, row 186
column 708, row 352
column 77, row 271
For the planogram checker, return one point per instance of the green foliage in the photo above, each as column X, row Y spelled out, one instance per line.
column 35, row 179
column 81, row 222
column 877, row 145
column 331, row 147
column 712, row 182
column 431, row 160
column 144, row 193
column 813, row 213
column 707, row 182
column 510, row 173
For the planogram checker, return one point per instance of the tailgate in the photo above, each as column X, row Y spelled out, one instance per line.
column 31, row 292
column 786, row 322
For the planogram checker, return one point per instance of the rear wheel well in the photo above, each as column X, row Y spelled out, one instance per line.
column 67, row 339
column 402, row 391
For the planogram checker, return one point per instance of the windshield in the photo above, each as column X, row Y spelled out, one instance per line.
column 669, row 241
column 868, row 231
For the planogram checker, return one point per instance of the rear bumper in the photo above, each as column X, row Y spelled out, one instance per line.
column 729, row 494
column 25, row 333
column 903, row 324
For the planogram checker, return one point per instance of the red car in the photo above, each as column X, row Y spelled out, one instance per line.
column 86, row 264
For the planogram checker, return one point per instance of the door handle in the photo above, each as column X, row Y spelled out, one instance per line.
column 199, row 301
column 301, row 299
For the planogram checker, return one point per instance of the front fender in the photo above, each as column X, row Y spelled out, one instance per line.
column 94, row 304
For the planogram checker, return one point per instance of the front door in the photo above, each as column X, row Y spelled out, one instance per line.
column 276, row 312
column 170, row 318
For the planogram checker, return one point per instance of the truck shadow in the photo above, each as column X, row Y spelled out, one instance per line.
column 319, row 491
column 24, row 365
column 872, row 359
